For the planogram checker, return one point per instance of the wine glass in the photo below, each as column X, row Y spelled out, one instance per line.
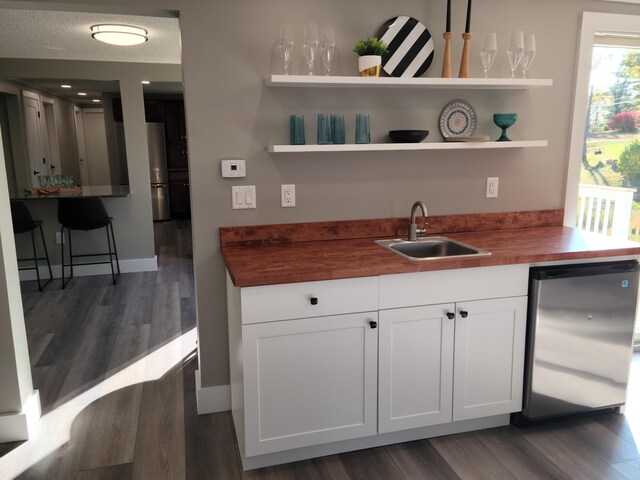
column 515, row 51
column 488, row 52
column 327, row 48
column 285, row 46
column 529, row 53
column 310, row 45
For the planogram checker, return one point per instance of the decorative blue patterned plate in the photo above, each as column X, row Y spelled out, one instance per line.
column 458, row 119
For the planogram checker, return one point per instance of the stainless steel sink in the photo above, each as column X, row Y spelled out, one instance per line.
column 429, row 248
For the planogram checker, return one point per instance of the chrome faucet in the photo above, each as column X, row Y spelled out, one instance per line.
column 414, row 231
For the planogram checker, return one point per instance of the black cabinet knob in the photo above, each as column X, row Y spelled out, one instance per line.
column 373, row 324
column 451, row 315
column 464, row 313
column 313, row 300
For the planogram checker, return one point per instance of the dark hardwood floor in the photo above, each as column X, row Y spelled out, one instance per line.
column 115, row 370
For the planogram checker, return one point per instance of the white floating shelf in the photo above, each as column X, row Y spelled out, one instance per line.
column 392, row 82
column 391, row 147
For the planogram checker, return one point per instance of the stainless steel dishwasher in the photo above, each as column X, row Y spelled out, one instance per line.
column 579, row 338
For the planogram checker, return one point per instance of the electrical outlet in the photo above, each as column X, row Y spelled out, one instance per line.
column 243, row 197
column 287, row 195
column 492, row 187
column 59, row 238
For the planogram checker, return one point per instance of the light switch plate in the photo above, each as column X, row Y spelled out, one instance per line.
column 233, row 168
column 243, row 197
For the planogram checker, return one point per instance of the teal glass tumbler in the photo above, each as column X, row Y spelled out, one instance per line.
column 44, row 181
column 363, row 131
column 337, row 129
column 296, row 130
column 324, row 129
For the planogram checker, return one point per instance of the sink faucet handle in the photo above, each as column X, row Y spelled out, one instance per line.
column 422, row 230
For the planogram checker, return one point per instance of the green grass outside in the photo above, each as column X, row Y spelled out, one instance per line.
column 611, row 148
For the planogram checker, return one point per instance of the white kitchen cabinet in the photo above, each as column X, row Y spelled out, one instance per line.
column 415, row 367
column 489, row 357
column 309, row 381
column 422, row 382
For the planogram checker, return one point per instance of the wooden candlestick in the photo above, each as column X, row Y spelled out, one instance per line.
column 464, row 61
column 446, row 61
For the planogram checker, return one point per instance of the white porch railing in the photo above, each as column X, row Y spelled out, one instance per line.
column 605, row 210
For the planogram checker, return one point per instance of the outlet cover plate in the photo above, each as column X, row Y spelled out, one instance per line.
column 287, row 196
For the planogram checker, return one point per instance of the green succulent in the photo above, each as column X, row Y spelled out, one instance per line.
column 370, row 46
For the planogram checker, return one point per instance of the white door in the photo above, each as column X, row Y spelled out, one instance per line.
column 415, row 367
column 489, row 357
column 95, row 137
column 82, row 149
column 52, row 146
column 35, row 141
column 309, row 381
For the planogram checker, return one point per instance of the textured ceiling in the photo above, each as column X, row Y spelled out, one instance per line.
column 67, row 36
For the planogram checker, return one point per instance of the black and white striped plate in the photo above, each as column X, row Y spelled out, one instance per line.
column 410, row 47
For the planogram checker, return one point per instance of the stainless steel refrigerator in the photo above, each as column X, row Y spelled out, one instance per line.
column 580, row 333
column 158, row 171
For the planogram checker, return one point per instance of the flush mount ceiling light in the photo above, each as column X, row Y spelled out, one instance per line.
column 95, row 100
column 65, row 86
column 119, row 34
column 145, row 82
column 82, row 94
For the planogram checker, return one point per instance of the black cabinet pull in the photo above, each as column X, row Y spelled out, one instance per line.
column 313, row 300
column 373, row 324
column 35, row 172
column 464, row 313
column 451, row 315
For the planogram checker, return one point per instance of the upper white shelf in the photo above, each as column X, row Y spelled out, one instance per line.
column 392, row 82
column 379, row 147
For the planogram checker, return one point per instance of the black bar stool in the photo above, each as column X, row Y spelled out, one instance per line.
column 23, row 222
column 86, row 214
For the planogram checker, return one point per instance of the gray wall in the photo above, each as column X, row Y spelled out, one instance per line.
column 230, row 114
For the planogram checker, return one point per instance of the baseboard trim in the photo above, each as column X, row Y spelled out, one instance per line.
column 126, row 266
column 212, row 399
column 15, row 427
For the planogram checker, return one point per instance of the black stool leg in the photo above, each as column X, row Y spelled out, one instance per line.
column 46, row 253
column 62, row 250
column 115, row 250
column 35, row 259
column 70, row 255
column 113, row 275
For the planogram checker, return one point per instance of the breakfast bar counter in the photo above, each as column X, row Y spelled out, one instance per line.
column 103, row 191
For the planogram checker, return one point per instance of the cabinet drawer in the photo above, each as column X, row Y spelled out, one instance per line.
column 308, row 299
column 446, row 286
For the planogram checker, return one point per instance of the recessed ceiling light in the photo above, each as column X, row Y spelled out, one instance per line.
column 96, row 100
column 145, row 82
column 82, row 94
column 65, row 86
column 119, row 34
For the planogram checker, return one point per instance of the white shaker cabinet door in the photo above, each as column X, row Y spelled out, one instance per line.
column 309, row 381
column 489, row 357
column 415, row 367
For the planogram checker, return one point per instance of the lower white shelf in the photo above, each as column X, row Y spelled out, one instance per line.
column 380, row 147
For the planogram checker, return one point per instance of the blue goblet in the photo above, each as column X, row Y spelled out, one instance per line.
column 504, row 121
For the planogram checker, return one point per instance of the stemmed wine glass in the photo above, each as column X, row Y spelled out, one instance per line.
column 529, row 53
column 488, row 52
column 310, row 45
column 327, row 48
column 515, row 51
column 285, row 46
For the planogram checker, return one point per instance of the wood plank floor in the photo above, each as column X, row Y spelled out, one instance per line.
column 84, row 337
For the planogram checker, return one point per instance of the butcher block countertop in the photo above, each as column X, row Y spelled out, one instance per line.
column 276, row 254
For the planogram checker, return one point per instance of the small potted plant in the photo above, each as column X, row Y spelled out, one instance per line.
column 370, row 51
